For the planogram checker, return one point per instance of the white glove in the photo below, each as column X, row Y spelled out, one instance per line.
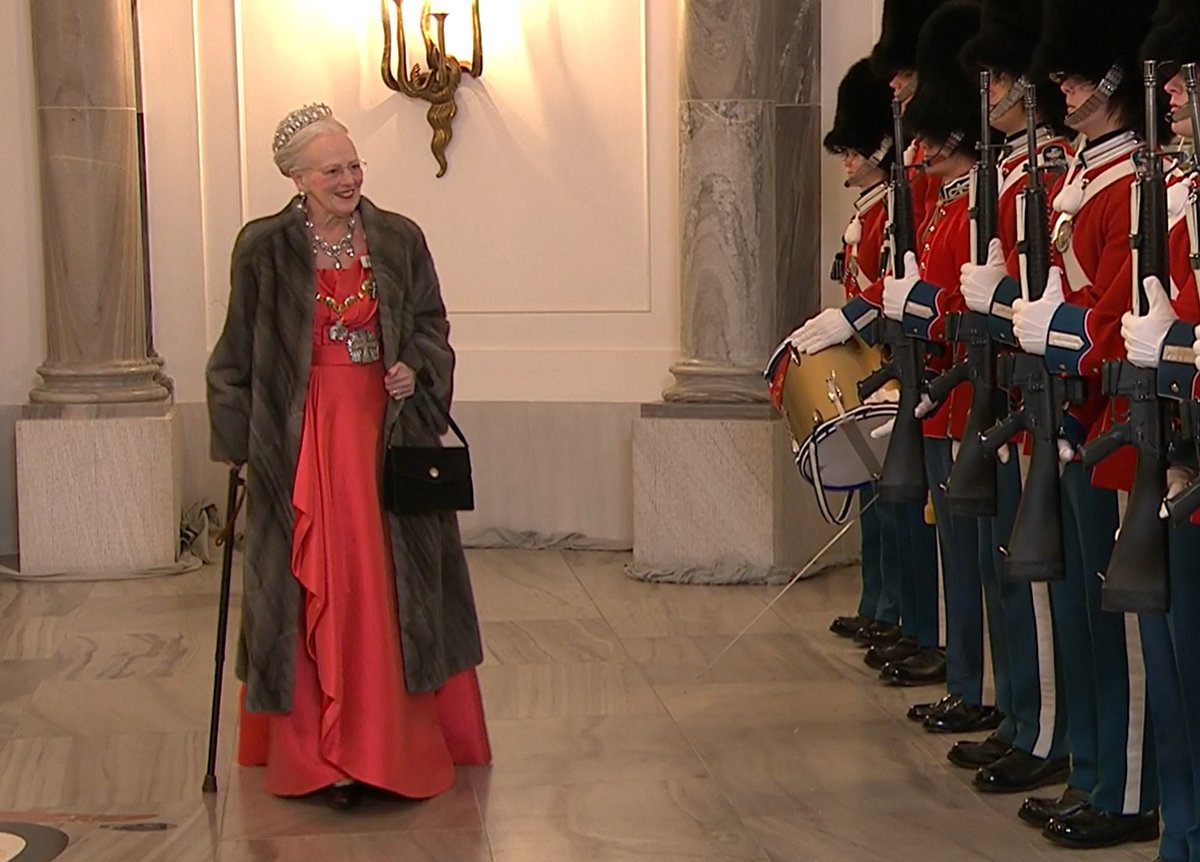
column 1004, row 453
column 978, row 282
column 896, row 290
column 1178, row 478
column 1196, row 348
column 1066, row 452
column 827, row 328
column 1031, row 320
column 924, row 407
column 883, row 395
column 886, row 395
column 1144, row 334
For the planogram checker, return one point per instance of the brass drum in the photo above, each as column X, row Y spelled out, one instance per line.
column 830, row 426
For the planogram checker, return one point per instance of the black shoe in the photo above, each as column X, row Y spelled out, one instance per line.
column 343, row 797
column 847, row 627
column 964, row 718
column 926, row 667
column 1038, row 810
column 921, row 711
column 1090, row 827
column 1019, row 770
column 877, row 656
column 877, row 634
column 972, row 755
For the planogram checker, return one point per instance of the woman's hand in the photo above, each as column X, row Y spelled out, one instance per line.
column 399, row 381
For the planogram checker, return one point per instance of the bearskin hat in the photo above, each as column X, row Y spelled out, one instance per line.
column 947, row 97
column 1174, row 35
column 1087, row 45
column 864, row 112
column 1008, row 34
column 896, row 49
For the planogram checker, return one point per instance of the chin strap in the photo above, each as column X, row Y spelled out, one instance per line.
column 1104, row 91
column 1010, row 100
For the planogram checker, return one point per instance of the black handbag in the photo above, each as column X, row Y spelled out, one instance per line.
column 422, row 480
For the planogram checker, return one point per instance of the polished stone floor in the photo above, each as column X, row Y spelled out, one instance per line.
column 611, row 742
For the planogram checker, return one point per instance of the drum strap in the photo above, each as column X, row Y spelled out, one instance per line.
column 809, row 462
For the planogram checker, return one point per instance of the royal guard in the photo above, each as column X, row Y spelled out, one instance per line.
column 893, row 59
column 944, row 118
column 895, row 538
column 1029, row 748
column 1164, row 339
column 1113, row 792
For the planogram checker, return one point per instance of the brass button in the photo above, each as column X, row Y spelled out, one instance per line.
column 434, row 472
column 1175, row 388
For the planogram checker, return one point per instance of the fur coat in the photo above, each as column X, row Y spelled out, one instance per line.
column 257, row 380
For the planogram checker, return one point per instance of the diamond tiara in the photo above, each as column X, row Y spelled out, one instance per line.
column 297, row 120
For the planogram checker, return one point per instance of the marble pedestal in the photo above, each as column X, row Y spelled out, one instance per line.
column 98, row 495
column 715, row 488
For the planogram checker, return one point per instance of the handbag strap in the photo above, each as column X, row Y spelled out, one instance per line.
column 441, row 411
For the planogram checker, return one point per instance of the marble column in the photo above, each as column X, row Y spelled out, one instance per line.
column 91, row 178
column 98, row 485
column 717, row 496
column 749, row 189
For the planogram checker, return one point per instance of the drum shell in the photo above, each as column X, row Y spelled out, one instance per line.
column 806, row 388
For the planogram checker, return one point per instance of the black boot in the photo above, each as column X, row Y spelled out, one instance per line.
column 972, row 755
column 926, row 667
column 1019, row 770
column 920, row 711
column 1038, row 810
column 877, row 656
column 877, row 633
column 1090, row 827
column 847, row 627
column 964, row 718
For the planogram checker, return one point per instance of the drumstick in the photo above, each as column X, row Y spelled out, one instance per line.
column 800, row 574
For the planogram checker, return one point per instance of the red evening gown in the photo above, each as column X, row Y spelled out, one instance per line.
column 352, row 717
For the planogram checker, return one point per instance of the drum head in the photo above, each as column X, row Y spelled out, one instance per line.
column 830, row 457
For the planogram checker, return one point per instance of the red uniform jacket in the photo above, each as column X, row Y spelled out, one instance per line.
column 1095, row 255
column 862, row 259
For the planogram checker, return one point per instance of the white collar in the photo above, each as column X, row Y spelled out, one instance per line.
column 869, row 197
column 954, row 189
column 1115, row 148
column 1018, row 149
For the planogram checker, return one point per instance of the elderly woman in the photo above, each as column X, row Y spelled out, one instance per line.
column 359, row 636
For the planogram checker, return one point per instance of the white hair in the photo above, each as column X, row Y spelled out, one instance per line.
column 287, row 157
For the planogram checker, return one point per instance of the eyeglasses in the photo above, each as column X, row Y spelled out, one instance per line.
column 333, row 172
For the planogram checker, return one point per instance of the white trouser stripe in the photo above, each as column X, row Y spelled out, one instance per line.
column 1047, row 683
column 1137, row 716
column 1137, row 700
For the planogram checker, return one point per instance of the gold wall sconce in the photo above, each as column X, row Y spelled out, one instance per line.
column 438, row 82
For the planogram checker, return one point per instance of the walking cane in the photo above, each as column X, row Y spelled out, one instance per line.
column 225, row 539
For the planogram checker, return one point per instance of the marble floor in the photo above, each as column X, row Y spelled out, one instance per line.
column 611, row 739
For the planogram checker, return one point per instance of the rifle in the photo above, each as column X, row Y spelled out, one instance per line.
column 1181, row 507
column 1035, row 548
column 1138, row 576
column 971, row 488
column 902, row 479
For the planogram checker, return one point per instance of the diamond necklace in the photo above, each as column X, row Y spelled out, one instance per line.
column 344, row 246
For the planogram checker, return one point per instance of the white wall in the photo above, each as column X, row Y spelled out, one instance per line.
column 22, row 329
column 555, row 230
column 845, row 39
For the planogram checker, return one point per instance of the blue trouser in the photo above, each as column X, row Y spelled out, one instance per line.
column 962, row 593
column 1021, row 634
column 1111, row 750
column 916, row 551
column 1171, row 653
column 880, row 558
